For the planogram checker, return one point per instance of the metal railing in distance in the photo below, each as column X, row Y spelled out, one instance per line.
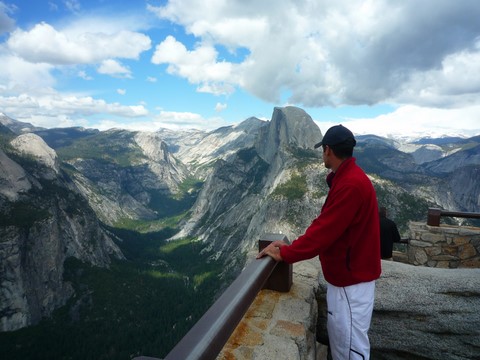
column 433, row 218
column 208, row 336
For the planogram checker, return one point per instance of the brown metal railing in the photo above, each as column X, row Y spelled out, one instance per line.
column 208, row 336
column 434, row 214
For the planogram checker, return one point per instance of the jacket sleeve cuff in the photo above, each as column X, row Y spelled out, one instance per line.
column 284, row 253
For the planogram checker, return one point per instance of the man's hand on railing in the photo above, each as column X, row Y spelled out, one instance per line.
column 273, row 250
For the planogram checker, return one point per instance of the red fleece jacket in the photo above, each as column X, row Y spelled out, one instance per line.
column 346, row 234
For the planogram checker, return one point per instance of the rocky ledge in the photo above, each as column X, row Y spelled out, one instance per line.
column 420, row 313
column 423, row 313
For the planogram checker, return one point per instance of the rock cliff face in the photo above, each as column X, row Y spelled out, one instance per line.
column 34, row 146
column 238, row 202
column 448, row 182
column 289, row 126
column 124, row 174
column 278, row 185
column 258, row 177
column 13, row 178
column 199, row 151
column 43, row 221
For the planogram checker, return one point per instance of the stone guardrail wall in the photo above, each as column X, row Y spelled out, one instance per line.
column 280, row 325
column 444, row 246
column 283, row 325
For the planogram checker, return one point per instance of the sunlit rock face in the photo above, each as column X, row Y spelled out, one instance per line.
column 44, row 220
column 13, row 178
column 256, row 177
column 34, row 146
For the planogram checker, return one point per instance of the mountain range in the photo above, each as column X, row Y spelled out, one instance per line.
column 62, row 189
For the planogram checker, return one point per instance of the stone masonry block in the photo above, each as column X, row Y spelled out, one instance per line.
column 467, row 251
column 422, row 244
column 433, row 238
column 420, row 256
column 433, row 250
column 469, row 231
column 451, row 250
column 460, row 240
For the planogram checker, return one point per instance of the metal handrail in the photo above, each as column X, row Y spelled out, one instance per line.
column 434, row 214
column 208, row 336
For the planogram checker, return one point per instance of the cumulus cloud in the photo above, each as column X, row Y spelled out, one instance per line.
column 330, row 53
column 19, row 75
column 29, row 57
column 43, row 110
column 417, row 56
column 456, row 83
column 411, row 121
column 198, row 66
column 114, row 68
column 45, row 44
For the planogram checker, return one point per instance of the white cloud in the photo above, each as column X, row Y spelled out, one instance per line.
column 220, row 107
column 45, row 44
column 44, row 110
column 331, row 53
column 455, row 83
column 415, row 121
column 121, row 91
column 418, row 56
column 29, row 57
column 19, row 75
column 163, row 120
column 198, row 66
column 114, row 68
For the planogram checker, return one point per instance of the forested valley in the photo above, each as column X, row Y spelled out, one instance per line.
column 142, row 306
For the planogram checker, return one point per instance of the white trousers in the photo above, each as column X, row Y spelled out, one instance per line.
column 349, row 315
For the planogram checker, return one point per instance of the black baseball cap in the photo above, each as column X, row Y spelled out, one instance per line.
column 337, row 135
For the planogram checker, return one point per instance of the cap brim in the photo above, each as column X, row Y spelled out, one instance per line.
column 318, row 145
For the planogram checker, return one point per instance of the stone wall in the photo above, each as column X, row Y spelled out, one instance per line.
column 419, row 311
column 280, row 326
column 444, row 246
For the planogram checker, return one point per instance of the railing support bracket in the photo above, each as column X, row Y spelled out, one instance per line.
column 281, row 279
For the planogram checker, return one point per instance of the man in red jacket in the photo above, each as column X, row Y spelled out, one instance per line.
column 346, row 238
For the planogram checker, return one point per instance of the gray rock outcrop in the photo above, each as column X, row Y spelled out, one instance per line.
column 13, row 178
column 290, row 126
column 43, row 222
column 236, row 204
column 34, row 146
column 422, row 313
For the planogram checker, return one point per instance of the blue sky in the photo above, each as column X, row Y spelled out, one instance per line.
column 389, row 68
